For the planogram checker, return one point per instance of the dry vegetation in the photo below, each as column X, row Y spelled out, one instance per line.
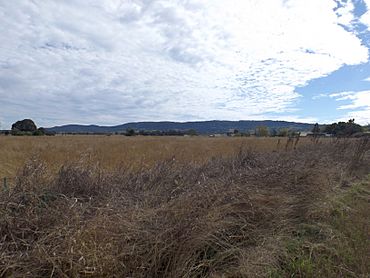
column 223, row 208
column 116, row 151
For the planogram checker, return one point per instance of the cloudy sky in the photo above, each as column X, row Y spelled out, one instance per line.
column 114, row 61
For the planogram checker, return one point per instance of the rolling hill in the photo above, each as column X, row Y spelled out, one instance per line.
column 202, row 127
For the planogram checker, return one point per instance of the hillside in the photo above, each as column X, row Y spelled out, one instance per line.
column 203, row 127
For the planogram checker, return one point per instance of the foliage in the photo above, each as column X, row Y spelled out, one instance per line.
column 192, row 132
column 262, row 131
column 274, row 132
column 344, row 129
column 283, row 132
column 26, row 125
column 21, row 133
column 130, row 132
column 39, row 132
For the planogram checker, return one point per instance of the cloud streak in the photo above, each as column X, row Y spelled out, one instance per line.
column 112, row 61
column 357, row 102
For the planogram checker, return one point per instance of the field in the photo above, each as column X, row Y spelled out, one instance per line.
column 113, row 206
column 111, row 152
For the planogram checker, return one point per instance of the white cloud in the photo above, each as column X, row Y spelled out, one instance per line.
column 114, row 61
column 358, row 102
column 296, row 119
column 346, row 13
column 320, row 96
column 365, row 18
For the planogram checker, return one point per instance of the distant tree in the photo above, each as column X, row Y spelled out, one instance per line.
column 192, row 132
column 283, row 132
column 39, row 132
column 130, row 132
column 25, row 125
column 316, row 129
column 274, row 132
column 246, row 133
column 344, row 129
column 262, row 131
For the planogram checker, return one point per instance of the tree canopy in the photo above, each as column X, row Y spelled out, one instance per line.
column 26, row 125
column 344, row 128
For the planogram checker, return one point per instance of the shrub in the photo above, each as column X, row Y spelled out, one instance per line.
column 25, row 125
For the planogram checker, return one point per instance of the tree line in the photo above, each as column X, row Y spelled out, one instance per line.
column 339, row 129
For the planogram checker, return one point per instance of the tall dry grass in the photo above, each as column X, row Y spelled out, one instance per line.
column 114, row 151
column 225, row 217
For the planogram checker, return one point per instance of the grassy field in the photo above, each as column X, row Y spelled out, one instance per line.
column 184, row 207
column 114, row 151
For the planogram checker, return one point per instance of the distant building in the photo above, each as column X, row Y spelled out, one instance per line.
column 311, row 134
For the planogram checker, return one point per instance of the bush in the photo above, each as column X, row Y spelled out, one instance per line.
column 39, row 132
column 342, row 129
column 130, row 132
column 25, row 125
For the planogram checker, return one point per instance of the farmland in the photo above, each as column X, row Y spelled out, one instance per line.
column 115, row 151
column 112, row 206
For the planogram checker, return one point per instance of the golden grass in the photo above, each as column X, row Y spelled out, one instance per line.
column 114, row 151
column 230, row 216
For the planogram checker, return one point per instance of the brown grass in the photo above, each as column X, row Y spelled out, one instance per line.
column 228, row 216
column 114, row 151
column 334, row 243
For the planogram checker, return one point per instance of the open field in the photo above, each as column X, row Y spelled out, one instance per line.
column 224, row 207
column 115, row 151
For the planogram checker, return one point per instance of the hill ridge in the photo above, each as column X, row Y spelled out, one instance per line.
column 202, row 127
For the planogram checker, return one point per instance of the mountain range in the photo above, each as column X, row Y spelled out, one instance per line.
column 201, row 127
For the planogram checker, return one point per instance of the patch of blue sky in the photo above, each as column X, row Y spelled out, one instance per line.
column 315, row 100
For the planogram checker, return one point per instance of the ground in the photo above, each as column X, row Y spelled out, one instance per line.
column 112, row 206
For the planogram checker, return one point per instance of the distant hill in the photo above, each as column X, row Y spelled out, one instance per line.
column 203, row 127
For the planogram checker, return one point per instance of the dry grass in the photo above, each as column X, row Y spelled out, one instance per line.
column 334, row 243
column 114, row 151
column 228, row 216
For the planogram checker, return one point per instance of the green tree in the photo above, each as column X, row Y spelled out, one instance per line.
column 344, row 129
column 24, row 127
column 283, row 132
column 274, row 132
column 192, row 132
column 130, row 132
column 39, row 132
column 262, row 131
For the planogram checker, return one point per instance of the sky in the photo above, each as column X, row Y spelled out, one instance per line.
column 109, row 62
